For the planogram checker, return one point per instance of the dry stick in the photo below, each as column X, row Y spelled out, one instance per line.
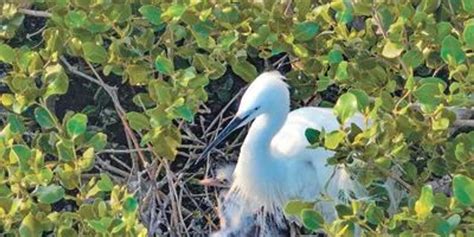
column 127, row 151
column 111, row 91
column 34, row 13
column 224, row 109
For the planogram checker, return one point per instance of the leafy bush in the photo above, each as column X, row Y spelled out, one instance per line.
column 406, row 65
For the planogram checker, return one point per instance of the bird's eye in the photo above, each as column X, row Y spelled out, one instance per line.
column 256, row 108
column 224, row 180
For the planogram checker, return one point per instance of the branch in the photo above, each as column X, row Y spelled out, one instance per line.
column 35, row 13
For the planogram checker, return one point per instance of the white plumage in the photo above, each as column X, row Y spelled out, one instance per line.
column 275, row 164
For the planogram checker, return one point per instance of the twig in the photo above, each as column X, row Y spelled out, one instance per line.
column 34, row 13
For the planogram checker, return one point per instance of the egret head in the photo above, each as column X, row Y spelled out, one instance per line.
column 267, row 94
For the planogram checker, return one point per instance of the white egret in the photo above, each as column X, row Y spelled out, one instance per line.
column 275, row 164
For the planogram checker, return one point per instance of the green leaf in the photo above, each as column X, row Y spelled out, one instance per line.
column 300, row 50
column 228, row 38
column 413, row 58
column 294, row 207
column 429, row 94
column 341, row 71
column 344, row 210
column 151, row 13
column 75, row 19
column 374, row 214
column 335, row 56
column 468, row 6
column 43, row 117
column 312, row 220
column 463, row 189
column 22, row 154
column 105, row 184
column 56, row 79
column 86, row 162
column 94, row 53
column 137, row 74
column 66, row 150
column 67, row 232
column 305, row 31
column 468, row 34
column 451, row 50
column 175, row 10
column 16, row 125
column 392, row 50
column 76, row 125
column 460, row 152
column 98, row 141
column 312, row 135
column 244, row 69
column 130, row 204
column 425, row 203
column 7, row 54
column 138, row 121
column 346, row 106
column 440, row 124
column 30, row 226
column 362, row 98
column 185, row 113
column 164, row 65
column 333, row 139
column 50, row 194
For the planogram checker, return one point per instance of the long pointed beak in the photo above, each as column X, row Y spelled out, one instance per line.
column 235, row 123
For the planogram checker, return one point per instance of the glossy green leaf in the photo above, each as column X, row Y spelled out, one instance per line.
column 130, row 204
column 425, row 203
column 7, row 54
column 333, row 139
column 16, row 125
column 468, row 6
column 312, row 135
column 335, row 56
column 312, row 219
column 138, row 121
column 164, row 65
column 413, row 58
column 151, row 13
column 98, row 141
column 22, row 154
column 295, row 207
column 56, row 79
column 185, row 113
column 374, row 214
column 451, row 50
column 392, row 50
column 362, row 99
column 49, row 194
column 43, row 118
column 30, row 226
column 346, row 106
column 341, row 72
column 105, row 184
column 76, row 125
column 463, row 189
column 94, row 53
column 66, row 150
column 75, row 19
column 468, row 34
column 305, row 31
column 244, row 69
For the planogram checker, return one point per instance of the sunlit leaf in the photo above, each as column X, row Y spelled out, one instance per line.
column 50, row 194
column 425, row 203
